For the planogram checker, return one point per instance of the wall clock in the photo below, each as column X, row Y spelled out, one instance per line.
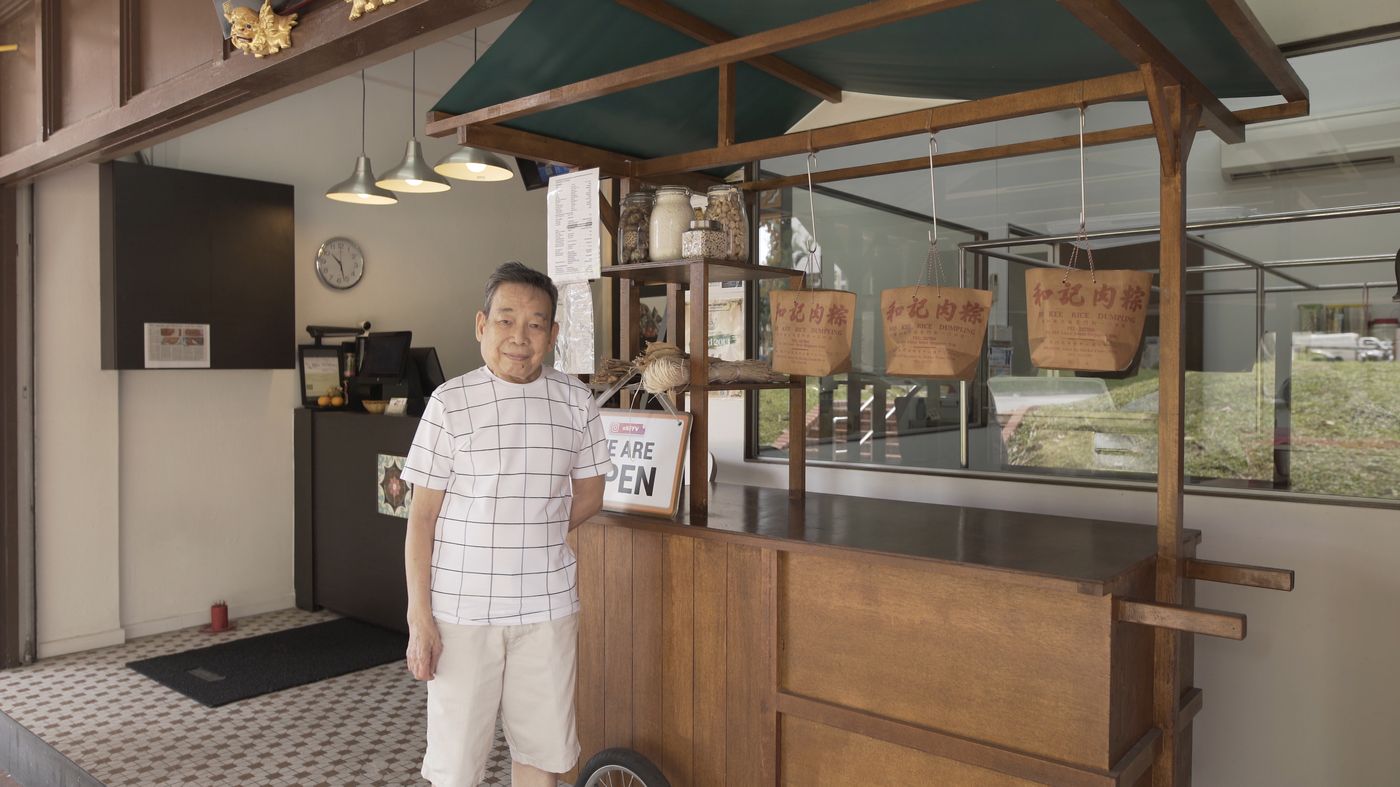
column 340, row 263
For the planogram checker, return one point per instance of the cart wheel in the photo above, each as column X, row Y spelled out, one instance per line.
column 620, row 768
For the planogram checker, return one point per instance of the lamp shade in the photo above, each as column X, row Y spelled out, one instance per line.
column 413, row 175
column 472, row 164
column 360, row 188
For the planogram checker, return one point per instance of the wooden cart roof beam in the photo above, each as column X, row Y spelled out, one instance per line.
column 1116, row 25
column 808, row 31
column 1119, row 87
column 1054, row 144
column 703, row 31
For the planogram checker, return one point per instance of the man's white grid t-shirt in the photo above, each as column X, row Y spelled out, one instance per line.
column 505, row 453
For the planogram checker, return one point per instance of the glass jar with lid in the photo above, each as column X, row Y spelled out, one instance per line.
column 726, row 206
column 635, row 229
column 704, row 239
column 670, row 218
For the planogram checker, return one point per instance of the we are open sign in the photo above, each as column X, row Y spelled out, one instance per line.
column 647, row 449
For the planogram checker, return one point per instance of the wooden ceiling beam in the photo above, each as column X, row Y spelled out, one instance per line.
column 808, row 31
column 706, row 33
column 1245, row 27
column 1120, row 29
column 1092, row 139
column 1119, row 87
column 513, row 142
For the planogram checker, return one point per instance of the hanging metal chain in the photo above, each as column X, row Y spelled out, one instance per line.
column 1081, row 239
column 813, row 250
column 933, row 266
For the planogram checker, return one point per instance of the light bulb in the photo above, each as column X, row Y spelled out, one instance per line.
column 414, row 182
column 362, row 196
column 476, row 167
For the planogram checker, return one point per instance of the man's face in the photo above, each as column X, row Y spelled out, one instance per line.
column 517, row 333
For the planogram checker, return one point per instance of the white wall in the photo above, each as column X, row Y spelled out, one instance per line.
column 77, row 489
column 425, row 261
column 202, row 505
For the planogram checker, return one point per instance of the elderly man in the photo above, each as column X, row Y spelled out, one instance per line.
column 507, row 460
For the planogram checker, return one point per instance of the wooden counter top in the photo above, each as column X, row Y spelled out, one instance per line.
column 1066, row 553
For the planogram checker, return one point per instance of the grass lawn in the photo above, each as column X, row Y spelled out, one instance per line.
column 1344, row 433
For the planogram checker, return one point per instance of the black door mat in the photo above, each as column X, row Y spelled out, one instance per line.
column 233, row 671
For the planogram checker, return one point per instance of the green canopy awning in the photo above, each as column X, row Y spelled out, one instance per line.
column 987, row 48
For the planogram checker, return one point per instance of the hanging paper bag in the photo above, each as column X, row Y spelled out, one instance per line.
column 812, row 328
column 812, row 331
column 934, row 331
column 1088, row 321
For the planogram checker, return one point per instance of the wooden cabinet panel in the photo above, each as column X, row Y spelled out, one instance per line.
column 1016, row 667
column 678, row 660
column 174, row 36
column 590, row 550
column 19, row 81
column 617, row 650
column 747, row 671
column 646, row 641
column 815, row 754
column 88, row 58
column 711, row 694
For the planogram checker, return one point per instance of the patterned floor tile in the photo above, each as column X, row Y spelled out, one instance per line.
column 127, row 730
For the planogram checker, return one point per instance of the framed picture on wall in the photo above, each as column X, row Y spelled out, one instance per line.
column 322, row 369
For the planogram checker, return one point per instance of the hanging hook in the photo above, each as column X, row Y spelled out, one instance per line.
column 811, row 204
column 933, row 266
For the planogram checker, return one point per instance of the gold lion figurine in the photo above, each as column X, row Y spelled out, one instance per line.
column 261, row 33
column 359, row 8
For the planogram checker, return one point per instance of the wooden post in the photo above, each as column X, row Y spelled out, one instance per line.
column 1175, row 120
column 629, row 301
column 699, row 393
column 726, row 105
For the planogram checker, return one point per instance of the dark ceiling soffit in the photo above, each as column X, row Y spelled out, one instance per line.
column 1328, row 43
column 328, row 46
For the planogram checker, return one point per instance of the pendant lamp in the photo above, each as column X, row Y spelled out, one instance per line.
column 468, row 163
column 412, row 175
column 360, row 188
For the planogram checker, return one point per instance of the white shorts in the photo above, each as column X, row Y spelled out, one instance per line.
column 527, row 673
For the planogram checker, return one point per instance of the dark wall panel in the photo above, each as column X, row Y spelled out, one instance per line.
column 19, row 82
column 188, row 247
column 88, row 58
column 174, row 36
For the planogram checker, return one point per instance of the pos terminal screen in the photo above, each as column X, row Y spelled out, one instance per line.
column 384, row 356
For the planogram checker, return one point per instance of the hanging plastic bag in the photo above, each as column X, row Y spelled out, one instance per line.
column 812, row 328
column 1085, row 320
column 930, row 330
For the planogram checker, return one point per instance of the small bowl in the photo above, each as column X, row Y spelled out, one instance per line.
column 375, row 406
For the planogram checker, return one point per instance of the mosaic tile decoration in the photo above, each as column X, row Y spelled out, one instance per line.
column 366, row 729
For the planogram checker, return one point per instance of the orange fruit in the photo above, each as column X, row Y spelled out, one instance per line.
column 323, row 401
column 337, row 401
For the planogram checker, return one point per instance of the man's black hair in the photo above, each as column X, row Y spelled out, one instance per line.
column 516, row 273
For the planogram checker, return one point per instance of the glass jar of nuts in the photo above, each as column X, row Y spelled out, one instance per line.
column 726, row 206
column 635, row 227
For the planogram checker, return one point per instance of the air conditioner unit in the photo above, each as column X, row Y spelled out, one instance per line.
column 1315, row 145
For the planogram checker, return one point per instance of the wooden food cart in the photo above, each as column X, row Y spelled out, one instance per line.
column 769, row 636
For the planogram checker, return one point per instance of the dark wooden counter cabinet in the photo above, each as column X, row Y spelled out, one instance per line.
column 841, row 640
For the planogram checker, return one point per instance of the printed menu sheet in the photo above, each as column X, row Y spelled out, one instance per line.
column 177, row 346
column 573, row 252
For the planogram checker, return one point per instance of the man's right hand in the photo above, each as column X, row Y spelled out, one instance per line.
column 424, row 647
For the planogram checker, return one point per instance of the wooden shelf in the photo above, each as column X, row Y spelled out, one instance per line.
column 742, row 386
column 678, row 271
